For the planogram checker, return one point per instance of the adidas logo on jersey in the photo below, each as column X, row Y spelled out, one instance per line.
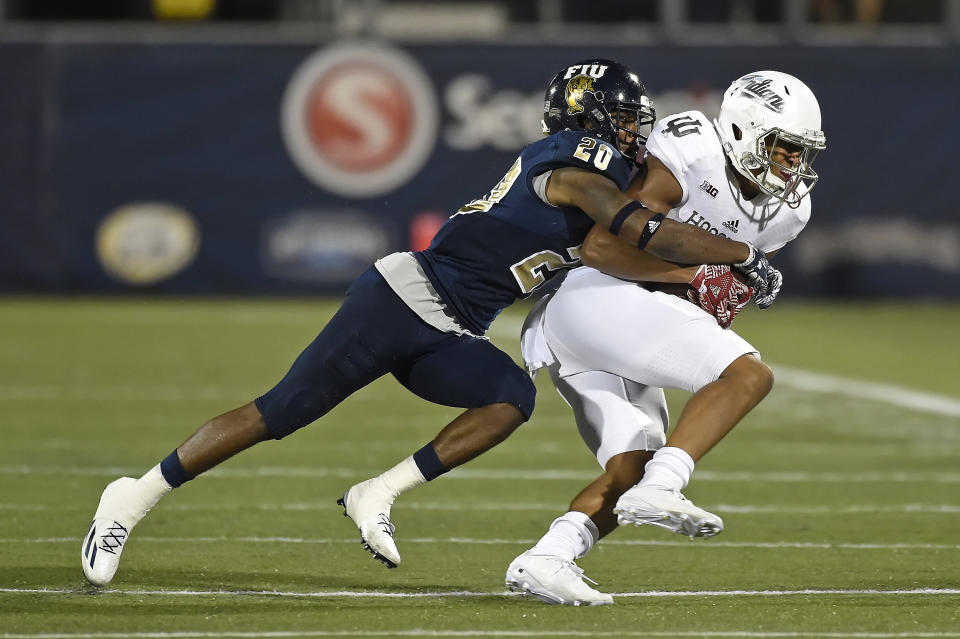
column 733, row 225
column 710, row 189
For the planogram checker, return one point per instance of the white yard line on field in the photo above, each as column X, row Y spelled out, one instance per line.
column 705, row 544
column 423, row 632
column 500, row 474
column 515, row 507
column 114, row 393
column 817, row 382
column 509, row 328
column 373, row 594
column 467, row 593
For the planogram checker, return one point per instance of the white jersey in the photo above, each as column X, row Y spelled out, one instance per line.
column 610, row 345
column 689, row 147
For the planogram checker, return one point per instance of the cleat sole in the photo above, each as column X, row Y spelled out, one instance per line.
column 682, row 524
column 526, row 590
column 386, row 562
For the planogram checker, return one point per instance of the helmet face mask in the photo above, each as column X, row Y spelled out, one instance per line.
column 768, row 173
column 769, row 126
column 602, row 97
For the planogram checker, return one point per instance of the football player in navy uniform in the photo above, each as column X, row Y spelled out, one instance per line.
column 613, row 340
column 421, row 316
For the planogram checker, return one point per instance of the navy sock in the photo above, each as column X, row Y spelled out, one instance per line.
column 173, row 470
column 429, row 464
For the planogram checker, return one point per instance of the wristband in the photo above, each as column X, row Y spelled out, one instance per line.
column 622, row 216
column 750, row 257
column 652, row 226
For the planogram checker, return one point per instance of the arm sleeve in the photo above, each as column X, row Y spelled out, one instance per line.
column 540, row 186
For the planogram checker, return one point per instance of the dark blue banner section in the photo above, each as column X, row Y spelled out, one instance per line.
column 284, row 169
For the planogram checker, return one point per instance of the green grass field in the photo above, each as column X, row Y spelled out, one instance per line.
column 840, row 493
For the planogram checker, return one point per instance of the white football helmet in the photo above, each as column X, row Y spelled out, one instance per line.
column 760, row 110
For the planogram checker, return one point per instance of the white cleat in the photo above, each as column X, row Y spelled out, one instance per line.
column 668, row 509
column 553, row 580
column 119, row 511
column 368, row 505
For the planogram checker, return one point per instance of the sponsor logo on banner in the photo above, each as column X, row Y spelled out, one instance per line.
column 330, row 247
column 359, row 119
column 483, row 114
column 145, row 242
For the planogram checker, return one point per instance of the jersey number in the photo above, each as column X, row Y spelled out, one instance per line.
column 496, row 194
column 684, row 125
column 529, row 272
column 601, row 159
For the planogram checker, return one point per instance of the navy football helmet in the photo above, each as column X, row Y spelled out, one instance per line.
column 602, row 97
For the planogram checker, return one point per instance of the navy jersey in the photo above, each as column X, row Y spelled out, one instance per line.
column 508, row 243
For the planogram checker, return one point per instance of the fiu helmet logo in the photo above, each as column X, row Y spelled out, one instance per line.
column 592, row 70
column 758, row 88
column 575, row 90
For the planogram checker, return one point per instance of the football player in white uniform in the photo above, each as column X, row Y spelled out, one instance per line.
column 611, row 345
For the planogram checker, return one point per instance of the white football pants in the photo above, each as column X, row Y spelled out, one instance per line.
column 611, row 346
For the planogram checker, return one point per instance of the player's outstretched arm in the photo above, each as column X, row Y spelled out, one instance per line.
column 605, row 252
column 637, row 225
column 658, row 188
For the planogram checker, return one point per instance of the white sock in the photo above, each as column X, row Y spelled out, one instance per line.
column 151, row 487
column 670, row 467
column 402, row 477
column 570, row 537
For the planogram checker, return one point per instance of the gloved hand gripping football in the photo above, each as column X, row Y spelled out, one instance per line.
column 765, row 280
column 717, row 290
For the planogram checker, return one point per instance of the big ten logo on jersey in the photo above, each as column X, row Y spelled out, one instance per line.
column 359, row 119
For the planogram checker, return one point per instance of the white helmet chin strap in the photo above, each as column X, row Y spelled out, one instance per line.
column 767, row 182
column 774, row 182
column 769, row 179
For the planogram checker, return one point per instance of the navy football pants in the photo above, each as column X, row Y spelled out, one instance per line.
column 375, row 333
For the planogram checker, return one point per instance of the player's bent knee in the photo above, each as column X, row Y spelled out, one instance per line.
column 753, row 374
column 762, row 377
column 519, row 392
column 285, row 413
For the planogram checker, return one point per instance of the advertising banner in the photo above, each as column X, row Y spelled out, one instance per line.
column 274, row 169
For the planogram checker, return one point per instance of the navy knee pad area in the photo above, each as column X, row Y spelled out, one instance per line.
column 374, row 333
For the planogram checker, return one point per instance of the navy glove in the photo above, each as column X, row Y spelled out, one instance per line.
column 774, row 283
column 756, row 268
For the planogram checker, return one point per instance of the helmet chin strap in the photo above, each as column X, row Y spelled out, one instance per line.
column 769, row 182
column 774, row 182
